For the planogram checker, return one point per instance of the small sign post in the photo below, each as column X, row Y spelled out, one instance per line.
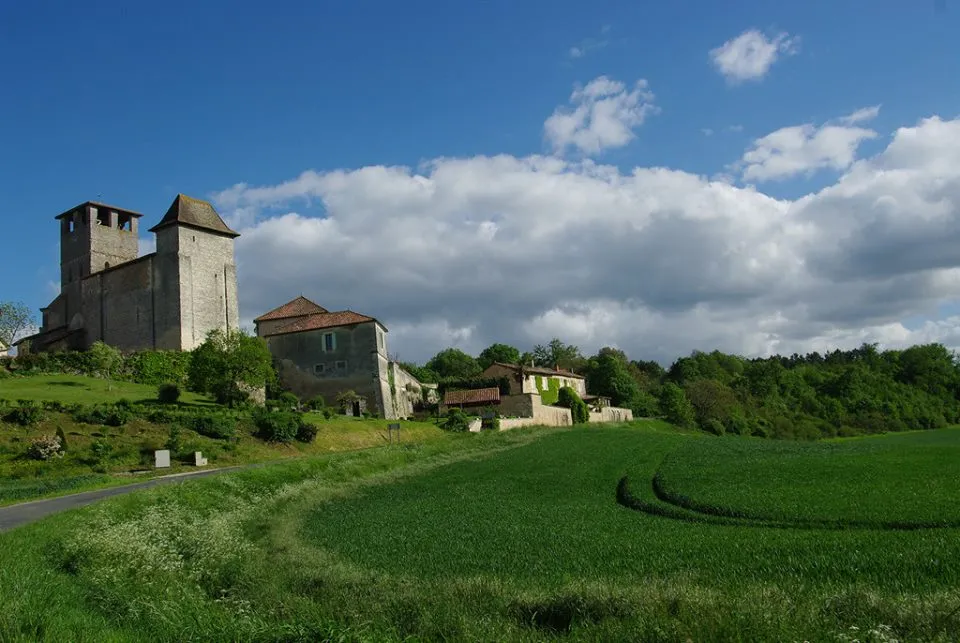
column 391, row 428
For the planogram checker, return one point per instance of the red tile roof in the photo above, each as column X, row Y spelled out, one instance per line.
column 322, row 320
column 298, row 307
column 473, row 396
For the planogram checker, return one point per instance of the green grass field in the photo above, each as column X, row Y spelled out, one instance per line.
column 509, row 536
column 78, row 389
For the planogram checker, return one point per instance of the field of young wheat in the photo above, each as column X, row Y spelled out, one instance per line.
column 524, row 535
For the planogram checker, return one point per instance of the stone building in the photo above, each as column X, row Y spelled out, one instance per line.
column 168, row 299
column 318, row 352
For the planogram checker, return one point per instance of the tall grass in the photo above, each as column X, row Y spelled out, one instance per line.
column 513, row 536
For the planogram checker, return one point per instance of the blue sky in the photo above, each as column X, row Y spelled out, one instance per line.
column 131, row 104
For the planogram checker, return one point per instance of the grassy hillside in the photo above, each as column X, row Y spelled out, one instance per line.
column 511, row 536
column 128, row 455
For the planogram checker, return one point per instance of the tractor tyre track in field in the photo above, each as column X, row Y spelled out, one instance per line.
column 676, row 506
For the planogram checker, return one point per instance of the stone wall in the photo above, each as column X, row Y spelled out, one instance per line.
column 126, row 305
column 354, row 364
column 205, row 284
column 611, row 414
column 407, row 391
column 528, row 406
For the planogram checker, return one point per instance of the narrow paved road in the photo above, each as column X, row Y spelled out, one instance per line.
column 21, row 514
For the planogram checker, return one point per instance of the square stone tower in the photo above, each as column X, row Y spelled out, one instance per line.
column 196, row 275
column 93, row 237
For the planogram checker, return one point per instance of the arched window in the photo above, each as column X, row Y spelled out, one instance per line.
column 106, row 265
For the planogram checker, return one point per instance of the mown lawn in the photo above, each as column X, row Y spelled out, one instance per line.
column 509, row 536
column 77, row 389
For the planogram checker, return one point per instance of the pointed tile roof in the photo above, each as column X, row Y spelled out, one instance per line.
column 299, row 307
column 322, row 320
column 186, row 210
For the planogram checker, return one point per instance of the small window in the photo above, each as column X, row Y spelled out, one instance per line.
column 329, row 342
column 341, row 364
column 106, row 264
column 318, row 369
column 194, row 238
column 125, row 222
column 103, row 217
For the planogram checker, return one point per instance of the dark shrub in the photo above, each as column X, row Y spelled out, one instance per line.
column 277, row 426
column 328, row 413
column 161, row 416
column 108, row 415
column 53, row 405
column 214, row 425
column 25, row 413
column 714, row 426
column 101, row 450
column 306, row 432
column 63, row 439
column 569, row 398
column 168, row 393
column 456, row 421
column 288, row 401
column 317, row 403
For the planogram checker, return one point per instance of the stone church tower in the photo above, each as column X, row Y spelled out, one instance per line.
column 169, row 299
column 198, row 284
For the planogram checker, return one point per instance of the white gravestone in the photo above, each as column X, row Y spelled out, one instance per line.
column 162, row 459
column 198, row 458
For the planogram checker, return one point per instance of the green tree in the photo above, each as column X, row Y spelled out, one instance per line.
column 105, row 360
column 675, row 406
column 558, row 354
column 498, row 353
column 230, row 362
column 15, row 319
column 711, row 401
column 453, row 363
column 608, row 374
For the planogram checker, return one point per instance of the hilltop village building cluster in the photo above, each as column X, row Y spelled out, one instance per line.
column 172, row 298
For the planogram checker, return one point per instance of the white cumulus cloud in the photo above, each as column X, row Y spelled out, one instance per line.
column 750, row 55
column 601, row 115
column 471, row 251
column 803, row 149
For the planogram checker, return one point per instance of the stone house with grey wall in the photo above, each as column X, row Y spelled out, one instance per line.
column 318, row 352
column 168, row 299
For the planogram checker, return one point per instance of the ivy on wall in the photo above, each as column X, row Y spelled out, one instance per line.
column 549, row 393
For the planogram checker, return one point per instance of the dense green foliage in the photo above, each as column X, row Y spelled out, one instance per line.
column 453, row 363
column 280, row 426
column 502, row 353
column 227, row 363
column 842, row 393
column 569, row 398
column 456, row 421
column 142, row 367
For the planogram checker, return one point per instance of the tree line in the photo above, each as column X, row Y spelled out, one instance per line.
column 839, row 393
